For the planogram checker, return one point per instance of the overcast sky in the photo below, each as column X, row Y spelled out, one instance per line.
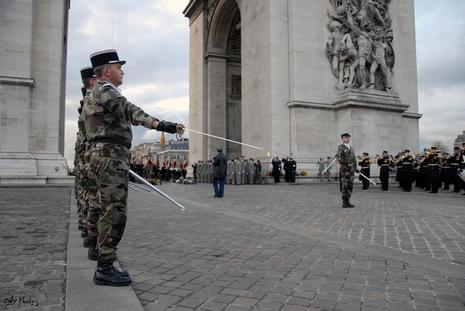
column 153, row 36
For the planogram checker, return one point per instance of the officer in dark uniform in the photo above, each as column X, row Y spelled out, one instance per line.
column 454, row 162
column 416, row 170
column 407, row 167
column 446, row 171
column 364, row 164
column 462, row 164
column 426, row 185
column 286, row 169
column 276, row 163
column 384, row 164
column 433, row 161
column 292, row 170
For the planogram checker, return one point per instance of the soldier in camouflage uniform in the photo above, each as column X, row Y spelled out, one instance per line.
column 346, row 156
column 82, row 179
column 108, row 117
column 77, row 173
column 88, row 180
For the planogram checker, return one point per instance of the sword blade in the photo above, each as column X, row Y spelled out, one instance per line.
column 142, row 180
column 461, row 175
column 269, row 153
column 139, row 186
column 330, row 164
column 132, row 187
column 370, row 180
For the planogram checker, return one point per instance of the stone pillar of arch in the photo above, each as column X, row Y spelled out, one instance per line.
column 32, row 90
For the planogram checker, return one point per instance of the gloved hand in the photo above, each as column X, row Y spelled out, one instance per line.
column 168, row 127
column 357, row 170
column 180, row 129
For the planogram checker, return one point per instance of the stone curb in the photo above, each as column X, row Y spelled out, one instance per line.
column 81, row 292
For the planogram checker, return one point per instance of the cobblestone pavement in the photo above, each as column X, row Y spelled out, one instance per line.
column 33, row 236
column 420, row 223
column 293, row 248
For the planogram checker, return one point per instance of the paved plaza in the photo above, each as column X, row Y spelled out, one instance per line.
column 293, row 248
column 262, row 247
column 33, row 236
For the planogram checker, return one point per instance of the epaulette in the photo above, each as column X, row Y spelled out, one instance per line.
column 111, row 86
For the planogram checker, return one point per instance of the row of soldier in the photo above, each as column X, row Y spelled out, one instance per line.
column 156, row 174
column 240, row 171
column 429, row 170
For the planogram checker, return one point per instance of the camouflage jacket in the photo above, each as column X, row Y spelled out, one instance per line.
column 81, row 140
column 346, row 157
column 108, row 116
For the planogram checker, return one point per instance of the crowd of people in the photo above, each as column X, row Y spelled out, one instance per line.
column 167, row 172
column 239, row 171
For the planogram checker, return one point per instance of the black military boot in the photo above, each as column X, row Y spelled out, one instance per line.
column 345, row 203
column 92, row 252
column 85, row 242
column 122, row 272
column 107, row 274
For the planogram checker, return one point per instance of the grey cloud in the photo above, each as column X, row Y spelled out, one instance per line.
column 157, row 53
column 440, row 45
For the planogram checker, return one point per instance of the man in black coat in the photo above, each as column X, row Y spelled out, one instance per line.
column 276, row 169
column 220, row 163
column 287, row 169
column 292, row 170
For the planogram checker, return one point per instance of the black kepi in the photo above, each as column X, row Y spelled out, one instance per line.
column 104, row 57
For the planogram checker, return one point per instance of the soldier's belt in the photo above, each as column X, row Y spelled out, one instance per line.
column 113, row 141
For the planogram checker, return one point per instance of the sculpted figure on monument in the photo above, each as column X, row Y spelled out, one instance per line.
column 360, row 44
column 379, row 61
column 334, row 46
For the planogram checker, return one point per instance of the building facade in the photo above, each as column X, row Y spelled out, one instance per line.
column 174, row 152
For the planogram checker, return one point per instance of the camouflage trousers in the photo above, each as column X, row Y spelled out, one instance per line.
column 109, row 164
column 346, row 183
column 81, row 186
column 91, row 201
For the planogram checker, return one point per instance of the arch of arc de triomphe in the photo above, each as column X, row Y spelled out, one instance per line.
column 292, row 75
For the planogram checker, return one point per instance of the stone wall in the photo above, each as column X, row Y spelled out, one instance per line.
column 32, row 88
